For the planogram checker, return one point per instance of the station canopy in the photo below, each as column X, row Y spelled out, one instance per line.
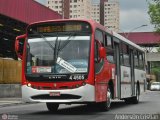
column 15, row 15
column 145, row 39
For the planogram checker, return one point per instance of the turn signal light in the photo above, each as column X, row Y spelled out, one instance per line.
column 29, row 84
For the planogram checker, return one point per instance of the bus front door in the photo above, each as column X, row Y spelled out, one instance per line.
column 117, row 70
column 132, row 73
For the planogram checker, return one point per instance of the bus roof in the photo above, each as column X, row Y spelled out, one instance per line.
column 90, row 21
column 127, row 41
column 94, row 26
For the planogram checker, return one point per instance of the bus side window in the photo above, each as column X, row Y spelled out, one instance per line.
column 121, row 54
column 144, row 65
column 136, row 64
column 108, row 41
column 125, row 52
column 109, row 48
column 98, row 62
column 99, row 36
column 141, row 61
column 96, row 54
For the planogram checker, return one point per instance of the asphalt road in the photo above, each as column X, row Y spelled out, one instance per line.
column 148, row 108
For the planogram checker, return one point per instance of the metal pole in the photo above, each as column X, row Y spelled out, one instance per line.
column 62, row 9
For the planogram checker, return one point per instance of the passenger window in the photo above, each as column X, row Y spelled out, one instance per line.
column 136, row 64
column 141, row 59
column 109, row 48
column 121, row 54
column 96, row 54
column 98, row 64
column 125, row 57
column 99, row 36
column 108, row 41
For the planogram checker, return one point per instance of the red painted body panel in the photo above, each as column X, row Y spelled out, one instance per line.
column 27, row 11
column 56, row 85
column 100, row 81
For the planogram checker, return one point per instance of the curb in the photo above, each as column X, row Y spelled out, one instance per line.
column 4, row 102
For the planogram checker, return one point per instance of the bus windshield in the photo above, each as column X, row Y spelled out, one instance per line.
column 58, row 53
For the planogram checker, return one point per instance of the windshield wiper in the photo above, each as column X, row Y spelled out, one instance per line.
column 55, row 53
column 54, row 48
column 42, row 36
column 58, row 49
column 57, row 46
column 66, row 43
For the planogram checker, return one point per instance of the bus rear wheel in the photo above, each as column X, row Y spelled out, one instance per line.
column 52, row 107
column 135, row 99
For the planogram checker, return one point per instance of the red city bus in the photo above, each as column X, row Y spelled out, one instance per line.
column 79, row 61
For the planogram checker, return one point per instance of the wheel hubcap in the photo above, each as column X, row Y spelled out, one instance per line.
column 137, row 95
column 108, row 98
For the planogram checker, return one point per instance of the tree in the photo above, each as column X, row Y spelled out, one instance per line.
column 154, row 12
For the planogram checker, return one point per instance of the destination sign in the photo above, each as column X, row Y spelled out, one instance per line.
column 53, row 27
column 59, row 28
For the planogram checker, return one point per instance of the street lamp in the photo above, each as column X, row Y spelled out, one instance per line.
column 126, row 35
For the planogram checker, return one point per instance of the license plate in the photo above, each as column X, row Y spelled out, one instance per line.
column 41, row 69
column 44, row 69
column 54, row 94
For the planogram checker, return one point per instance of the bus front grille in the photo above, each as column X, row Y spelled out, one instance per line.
column 61, row 97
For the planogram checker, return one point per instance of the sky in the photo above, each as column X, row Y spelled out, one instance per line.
column 133, row 14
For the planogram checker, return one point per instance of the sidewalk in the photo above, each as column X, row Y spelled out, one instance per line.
column 10, row 101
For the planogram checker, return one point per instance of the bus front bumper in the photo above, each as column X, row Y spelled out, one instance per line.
column 78, row 95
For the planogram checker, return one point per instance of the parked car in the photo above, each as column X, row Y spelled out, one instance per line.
column 155, row 86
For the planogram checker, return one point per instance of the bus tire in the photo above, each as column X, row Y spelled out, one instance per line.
column 52, row 107
column 105, row 106
column 135, row 99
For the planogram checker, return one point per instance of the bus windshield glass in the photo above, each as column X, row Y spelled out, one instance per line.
column 58, row 51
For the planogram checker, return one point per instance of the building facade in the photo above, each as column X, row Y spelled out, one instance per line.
column 95, row 13
column 109, row 14
column 71, row 8
column 105, row 12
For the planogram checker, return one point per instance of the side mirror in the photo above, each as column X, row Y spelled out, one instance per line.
column 19, row 45
column 102, row 52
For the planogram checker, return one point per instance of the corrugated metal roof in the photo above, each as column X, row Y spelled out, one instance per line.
column 127, row 41
column 27, row 11
column 143, row 38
